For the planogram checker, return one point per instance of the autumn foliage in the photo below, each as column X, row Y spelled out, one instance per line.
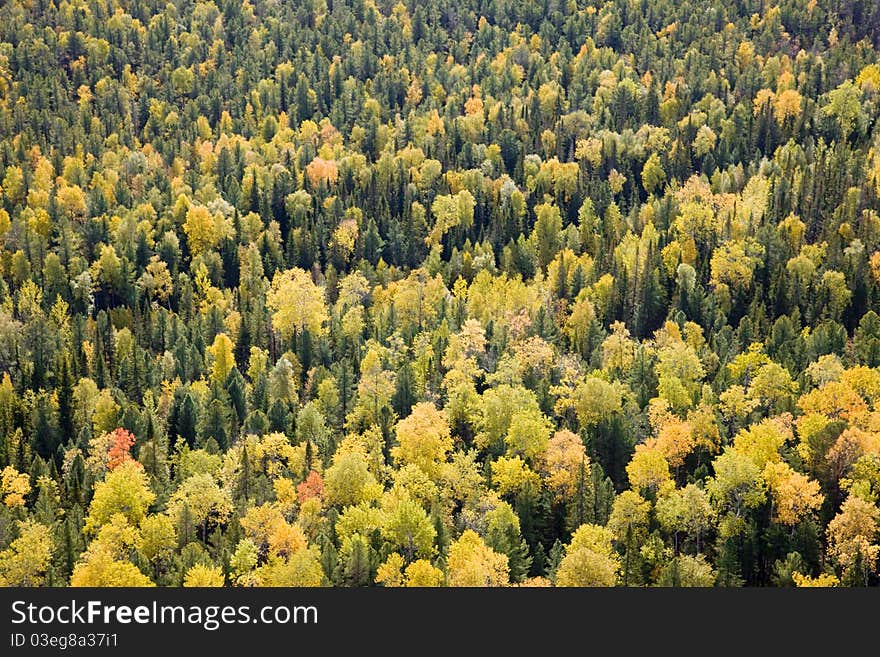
column 448, row 293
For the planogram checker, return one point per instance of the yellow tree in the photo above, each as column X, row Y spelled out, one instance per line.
column 685, row 511
column 221, row 358
column 733, row 264
column 679, row 372
column 390, row 572
column 596, row 400
column 824, row 580
column 14, row 485
column 629, row 524
column 423, row 439
column 297, row 303
column 528, row 434
column 126, row 491
column 577, row 324
column 512, row 475
column 450, row 211
column 157, row 539
column 408, row 529
column 470, row 562
column 423, row 573
column 201, row 575
column 156, row 280
column 375, row 389
column 653, row 175
column 71, row 201
column 737, row 485
column 787, row 105
column 794, row 495
column 203, row 229
column 618, row 349
column 349, row 481
column 26, row 560
column 106, row 561
column 675, row 440
column 589, row 559
column 761, row 442
column 497, row 409
column 563, row 458
column 302, row 568
column 197, row 500
column 648, row 469
column 852, row 536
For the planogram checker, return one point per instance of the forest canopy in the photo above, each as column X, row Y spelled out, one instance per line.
column 449, row 293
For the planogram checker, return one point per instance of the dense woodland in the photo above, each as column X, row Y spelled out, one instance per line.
column 460, row 292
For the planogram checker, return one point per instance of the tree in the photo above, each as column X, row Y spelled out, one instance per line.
column 629, row 524
column 596, row 400
column 548, row 227
column 497, row 409
column 679, row 371
column 589, row 559
column 390, row 573
column 28, row 557
column 824, row 580
column 203, row 229
column 845, row 107
column 105, row 562
column 156, row 280
column 15, row 486
column 124, row 491
column 737, row 485
column 312, row 487
column 348, row 481
column 688, row 571
column 618, row 350
column 470, row 562
column 221, row 358
column 408, row 529
column 564, row 458
column 503, row 535
column 120, row 449
column 297, row 303
column 374, row 391
column 202, row 499
column 733, row 264
column 101, row 569
column 157, row 540
column 867, row 339
column 302, row 568
column 201, row 575
column 687, row 511
column 852, row 535
column 423, row 573
column 648, row 469
column 512, row 476
column 423, row 439
column 450, row 211
column 527, row 435
column 795, row 496
column 653, row 175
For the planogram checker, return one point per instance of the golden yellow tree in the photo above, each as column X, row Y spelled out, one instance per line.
column 589, row 559
column 297, row 303
column 28, row 557
column 423, row 439
column 852, row 536
column 201, row 575
column 470, row 562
